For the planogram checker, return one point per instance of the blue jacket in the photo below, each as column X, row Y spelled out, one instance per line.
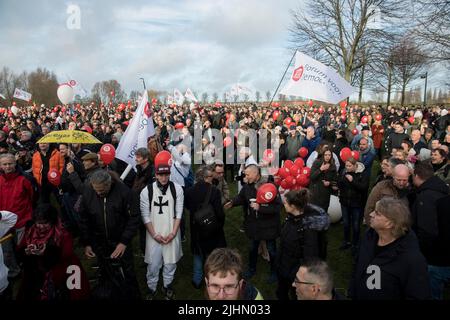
column 311, row 145
column 367, row 160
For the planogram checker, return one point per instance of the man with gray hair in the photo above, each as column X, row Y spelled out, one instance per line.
column 109, row 219
column 397, row 187
column 314, row 281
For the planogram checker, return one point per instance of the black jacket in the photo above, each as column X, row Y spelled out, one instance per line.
column 340, row 144
column 193, row 199
column 394, row 140
column 352, row 194
column 302, row 237
column 439, row 255
column 66, row 183
column 143, row 177
column 320, row 195
column 263, row 224
column 425, row 216
column 105, row 222
column 403, row 270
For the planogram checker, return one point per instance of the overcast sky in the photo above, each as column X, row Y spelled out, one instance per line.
column 207, row 45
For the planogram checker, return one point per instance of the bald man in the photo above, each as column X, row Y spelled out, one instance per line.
column 397, row 188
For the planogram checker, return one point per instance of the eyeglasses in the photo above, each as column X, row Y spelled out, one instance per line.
column 208, row 176
column 228, row 289
column 302, row 282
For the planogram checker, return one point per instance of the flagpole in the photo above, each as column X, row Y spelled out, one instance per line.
column 282, row 78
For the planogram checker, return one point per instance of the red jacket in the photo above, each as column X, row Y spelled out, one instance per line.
column 16, row 195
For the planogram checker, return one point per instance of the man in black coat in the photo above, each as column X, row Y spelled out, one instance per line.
column 203, row 244
column 431, row 222
column 423, row 210
column 262, row 222
column 109, row 219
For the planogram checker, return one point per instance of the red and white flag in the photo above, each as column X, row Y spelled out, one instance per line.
column 190, row 95
column 178, row 96
column 140, row 129
column 22, row 95
column 312, row 79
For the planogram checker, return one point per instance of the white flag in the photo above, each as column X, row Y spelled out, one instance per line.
column 22, row 95
column 2, row 96
column 170, row 99
column 178, row 96
column 190, row 95
column 78, row 90
column 313, row 80
column 135, row 137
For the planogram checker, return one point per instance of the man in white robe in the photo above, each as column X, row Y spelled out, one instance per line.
column 162, row 221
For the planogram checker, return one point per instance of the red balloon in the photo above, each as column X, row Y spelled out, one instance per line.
column 227, row 141
column 276, row 104
column 344, row 112
column 277, row 181
column 345, row 154
column 288, row 164
column 284, row 185
column 306, row 171
column 299, row 163
column 129, row 103
column 275, row 115
column 364, row 119
column 310, row 103
column 355, row 155
column 163, row 158
column 266, row 193
column 303, row 180
column 268, row 155
column 294, row 170
column 355, row 132
column 343, row 118
column 107, row 153
column 54, row 177
column 315, row 110
column 343, row 104
column 113, row 93
column 303, row 152
column 283, row 172
column 378, row 117
column 288, row 121
column 320, row 109
column 411, row 119
column 290, row 182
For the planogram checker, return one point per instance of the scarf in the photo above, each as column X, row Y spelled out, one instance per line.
column 36, row 238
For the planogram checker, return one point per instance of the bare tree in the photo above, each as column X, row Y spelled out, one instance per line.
column 408, row 62
column 268, row 95
column 258, row 96
column 215, row 97
column 9, row 81
column 101, row 92
column 337, row 32
column 432, row 27
column 43, row 85
column 205, row 97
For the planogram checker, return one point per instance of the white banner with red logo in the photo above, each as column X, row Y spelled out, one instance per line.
column 140, row 129
column 313, row 80
column 22, row 95
column 178, row 96
column 190, row 95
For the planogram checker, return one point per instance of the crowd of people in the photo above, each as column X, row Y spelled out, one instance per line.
column 395, row 227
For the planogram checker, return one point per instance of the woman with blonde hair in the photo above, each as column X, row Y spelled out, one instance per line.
column 390, row 265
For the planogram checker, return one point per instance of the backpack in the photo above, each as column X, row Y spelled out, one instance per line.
column 205, row 218
column 189, row 179
column 173, row 192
